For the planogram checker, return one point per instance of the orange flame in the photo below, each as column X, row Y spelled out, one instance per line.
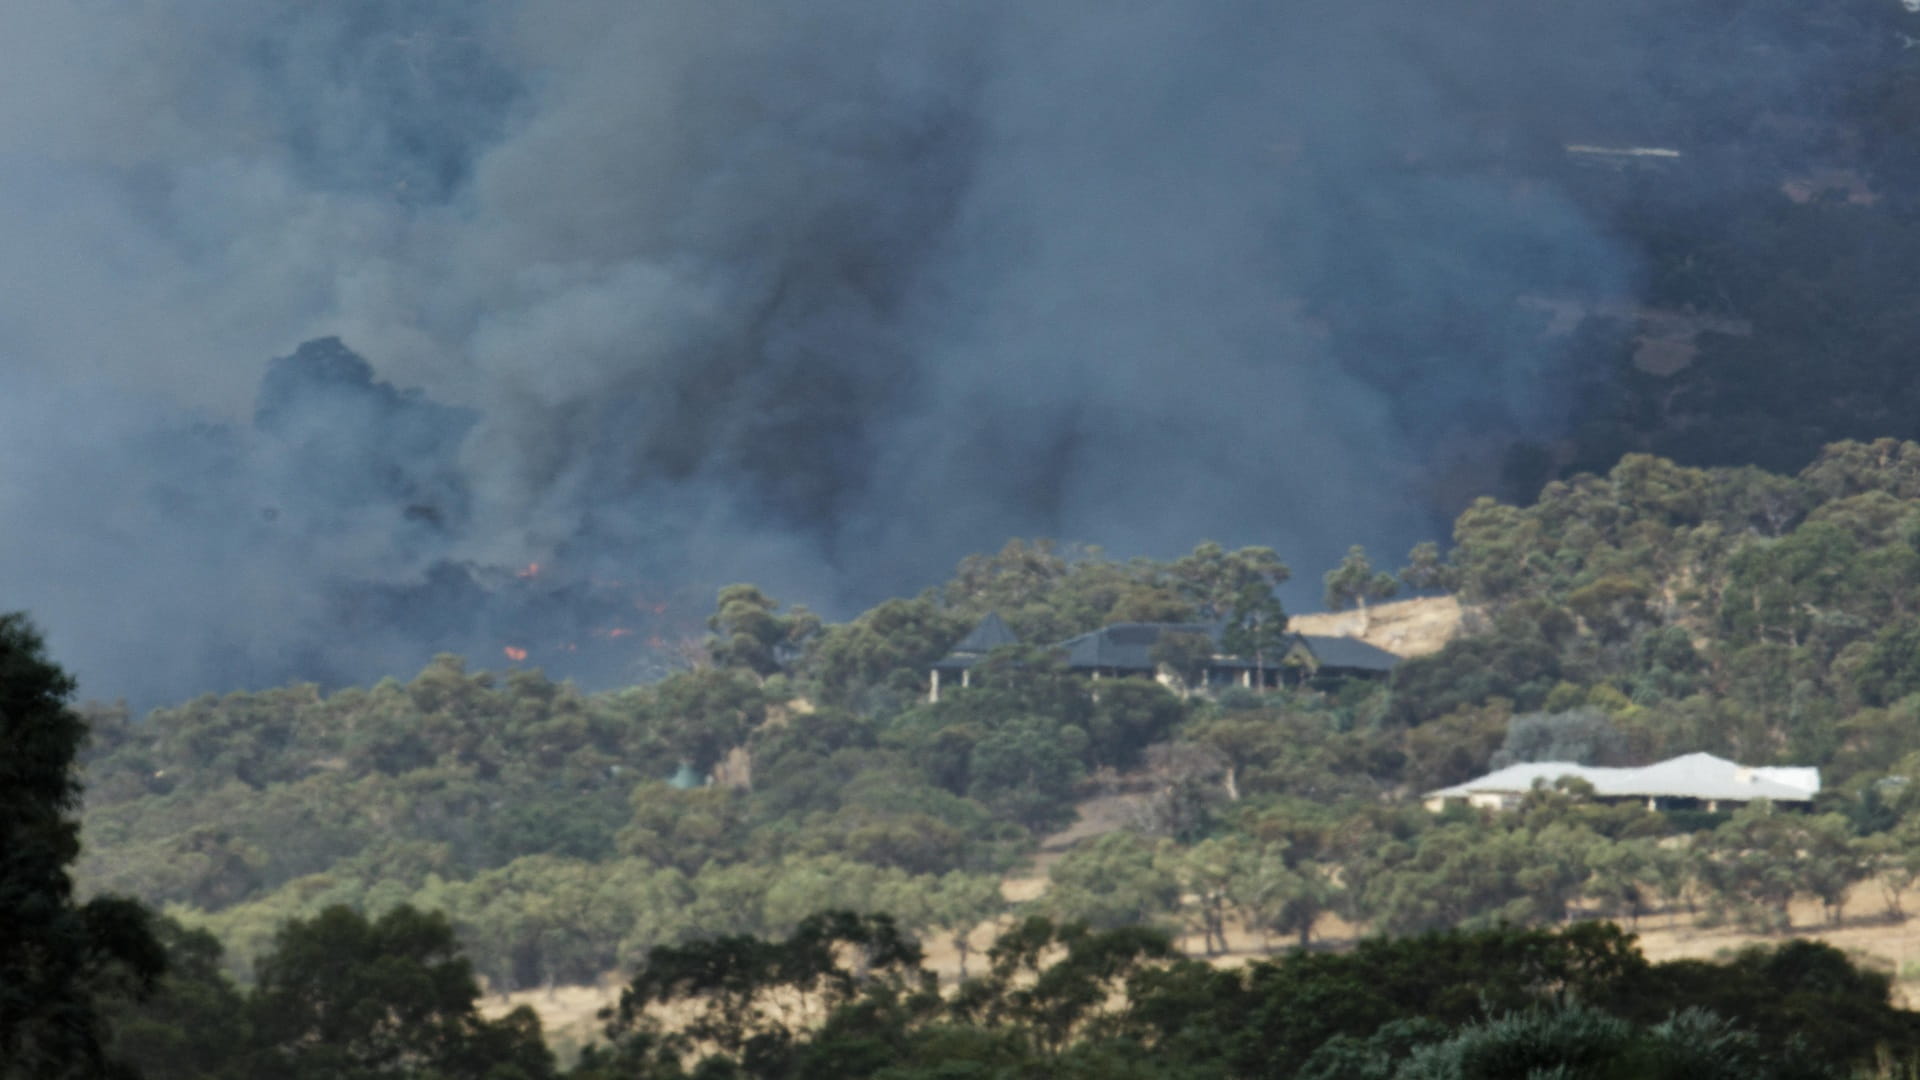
column 531, row 570
column 614, row 632
column 515, row 653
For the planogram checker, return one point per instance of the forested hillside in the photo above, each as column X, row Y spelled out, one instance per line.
column 799, row 768
column 1619, row 619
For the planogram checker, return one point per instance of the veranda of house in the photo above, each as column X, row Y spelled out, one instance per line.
column 1127, row 650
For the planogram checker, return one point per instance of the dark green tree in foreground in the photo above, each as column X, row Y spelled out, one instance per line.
column 339, row 997
column 847, row 997
column 832, row 999
column 1571, row 1040
column 342, row 997
column 195, row 1025
column 56, row 956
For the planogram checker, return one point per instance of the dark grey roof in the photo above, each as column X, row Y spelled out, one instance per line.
column 1127, row 646
column 1350, row 653
column 992, row 633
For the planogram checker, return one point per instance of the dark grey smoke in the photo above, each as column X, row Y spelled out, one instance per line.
column 821, row 295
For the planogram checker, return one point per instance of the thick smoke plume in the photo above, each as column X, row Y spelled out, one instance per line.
column 821, row 295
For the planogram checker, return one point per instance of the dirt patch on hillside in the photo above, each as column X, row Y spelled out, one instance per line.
column 569, row 1015
column 1414, row 627
column 1093, row 817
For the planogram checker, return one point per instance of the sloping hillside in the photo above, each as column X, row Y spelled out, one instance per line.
column 1414, row 627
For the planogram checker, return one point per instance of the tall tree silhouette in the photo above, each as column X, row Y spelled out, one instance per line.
column 55, row 955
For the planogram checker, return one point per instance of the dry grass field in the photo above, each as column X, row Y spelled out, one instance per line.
column 569, row 1013
column 1414, row 627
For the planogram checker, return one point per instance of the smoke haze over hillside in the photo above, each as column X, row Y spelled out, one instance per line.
column 818, row 295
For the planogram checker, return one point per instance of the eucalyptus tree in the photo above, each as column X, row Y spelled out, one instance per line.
column 56, row 953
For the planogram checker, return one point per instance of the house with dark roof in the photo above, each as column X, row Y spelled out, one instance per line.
column 992, row 633
column 1123, row 650
column 1127, row 648
column 1346, row 657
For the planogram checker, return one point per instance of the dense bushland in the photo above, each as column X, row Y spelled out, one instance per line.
column 848, row 996
column 1623, row 618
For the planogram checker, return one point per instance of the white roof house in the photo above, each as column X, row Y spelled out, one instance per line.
column 1702, row 777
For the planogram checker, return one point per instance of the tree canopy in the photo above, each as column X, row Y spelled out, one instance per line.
column 55, row 953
